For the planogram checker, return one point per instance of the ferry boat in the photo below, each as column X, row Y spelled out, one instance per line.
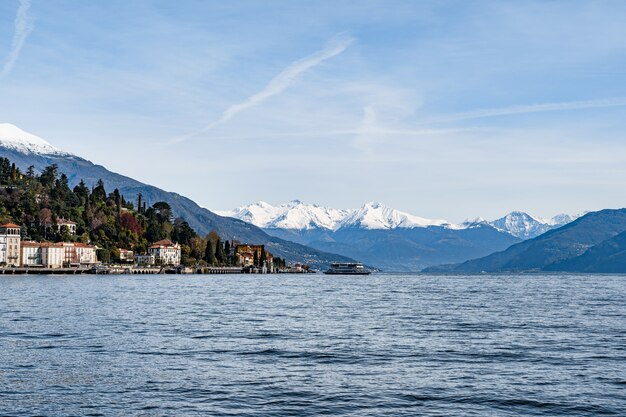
column 348, row 268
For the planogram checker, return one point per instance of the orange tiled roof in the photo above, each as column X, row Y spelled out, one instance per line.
column 51, row 245
column 162, row 243
column 30, row 243
column 11, row 225
column 83, row 245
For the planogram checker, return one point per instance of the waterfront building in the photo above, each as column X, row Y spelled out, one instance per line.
column 52, row 255
column 145, row 260
column 80, row 254
column 165, row 252
column 126, row 255
column 31, row 253
column 10, row 244
column 57, row 255
column 248, row 254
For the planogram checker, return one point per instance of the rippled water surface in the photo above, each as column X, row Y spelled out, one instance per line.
column 313, row 345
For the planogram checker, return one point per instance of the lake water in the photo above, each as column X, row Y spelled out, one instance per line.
column 303, row 345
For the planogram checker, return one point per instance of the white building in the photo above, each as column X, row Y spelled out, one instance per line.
column 126, row 255
column 31, row 253
column 57, row 255
column 71, row 226
column 83, row 254
column 165, row 252
column 52, row 255
column 10, row 244
column 77, row 254
column 145, row 260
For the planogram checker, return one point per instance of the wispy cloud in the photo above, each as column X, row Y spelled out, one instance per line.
column 532, row 108
column 23, row 27
column 279, row 83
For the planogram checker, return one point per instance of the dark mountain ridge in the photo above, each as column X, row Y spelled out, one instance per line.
column 578, row 246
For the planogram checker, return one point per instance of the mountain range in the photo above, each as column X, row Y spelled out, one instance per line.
column 297, row 215
column 391, row 239
column 595, row 242
column 25, row 149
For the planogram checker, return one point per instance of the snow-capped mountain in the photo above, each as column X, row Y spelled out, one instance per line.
column 378, row 216
column 12, row 137
column 376, row 234
column 293, row 215
column 298, row 216
column 525, row 226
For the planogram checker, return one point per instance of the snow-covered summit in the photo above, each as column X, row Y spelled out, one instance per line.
column 12, row 137
column 562, row 219
column 378, row 216
column 299, row 216
column 293, row 215
column 525, row 226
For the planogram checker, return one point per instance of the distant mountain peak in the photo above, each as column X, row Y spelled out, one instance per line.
column 375, row 215
column 12, row 137
column 297, row 215
column 525, row 226
column 292, row 215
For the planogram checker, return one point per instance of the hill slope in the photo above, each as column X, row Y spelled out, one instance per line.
column 25, row 150
column 608, row 256
column 554, row 250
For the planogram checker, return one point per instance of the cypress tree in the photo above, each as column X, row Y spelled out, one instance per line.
column 220, row 256
column 209, row 254
column 263, row 256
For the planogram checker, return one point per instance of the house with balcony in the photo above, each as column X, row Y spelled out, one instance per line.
column 165, row 252
column 10, row 239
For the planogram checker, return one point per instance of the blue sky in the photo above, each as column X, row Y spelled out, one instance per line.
column 443, row 109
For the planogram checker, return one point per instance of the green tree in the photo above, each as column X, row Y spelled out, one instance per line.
column 182, row 232
column 209, row 254
column 220, row 256
column 229, row 259
column 64, row 234
column 5, row 171
column 49, row 175
column 263, row 256
column 99, row 194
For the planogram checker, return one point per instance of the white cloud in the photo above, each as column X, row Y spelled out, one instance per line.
column 532, row 108
column 279, row 83
column 23, row 27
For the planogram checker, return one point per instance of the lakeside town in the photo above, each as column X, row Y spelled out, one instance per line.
column 48, row 227
column 164, row 256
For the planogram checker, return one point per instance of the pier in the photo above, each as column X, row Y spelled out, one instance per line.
column 119, row 270
column 45, row 271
